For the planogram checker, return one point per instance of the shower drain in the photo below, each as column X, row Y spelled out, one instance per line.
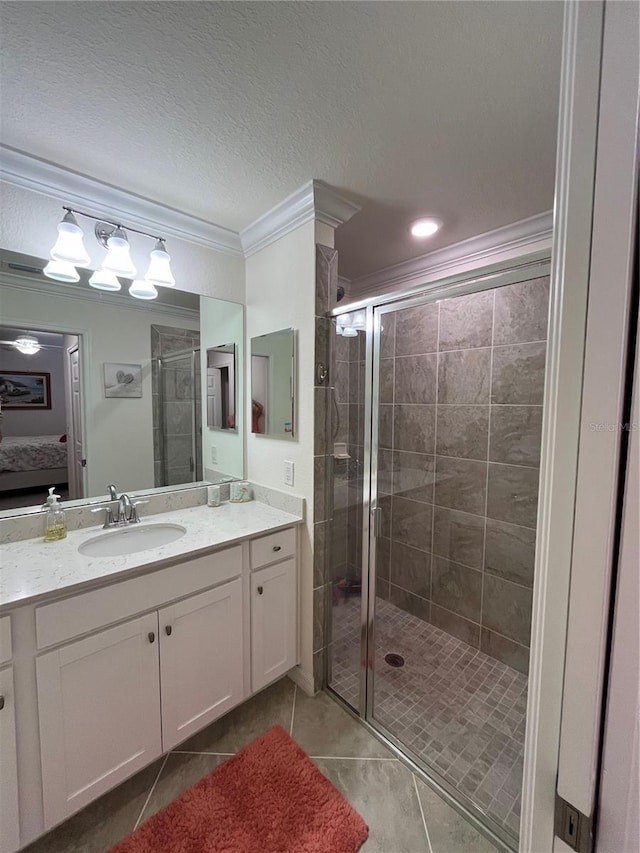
column 394, row 660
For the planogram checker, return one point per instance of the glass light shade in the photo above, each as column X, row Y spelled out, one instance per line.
column 142, row 289
column 349, row 332
column 343, row 320
column 27, row 345
column 339, row 330
column 69, row 246
column 104, row 280
column 359, row 320
column 61, row 271
column 159, row 271
column 118, row 259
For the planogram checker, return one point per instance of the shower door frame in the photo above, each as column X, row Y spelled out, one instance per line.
column 194, row 354
column 536, row 265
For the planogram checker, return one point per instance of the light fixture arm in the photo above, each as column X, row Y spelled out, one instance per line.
column 108, row 226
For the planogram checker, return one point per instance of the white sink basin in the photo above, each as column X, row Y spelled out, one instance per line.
column 130, row 540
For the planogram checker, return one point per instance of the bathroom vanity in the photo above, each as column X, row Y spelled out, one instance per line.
column 107, row 663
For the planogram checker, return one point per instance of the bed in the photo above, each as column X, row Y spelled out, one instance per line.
column 32, row 460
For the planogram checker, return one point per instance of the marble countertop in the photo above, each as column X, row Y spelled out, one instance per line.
column 33, row 570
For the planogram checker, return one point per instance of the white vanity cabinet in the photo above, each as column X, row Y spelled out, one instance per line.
column 201, row 660
column 111, row 677
column 9, row 822
column 99, row 706
column 274, row 607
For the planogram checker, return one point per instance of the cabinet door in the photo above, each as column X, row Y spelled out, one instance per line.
column 200, row 660
column 9, row 825
column 274, row 622
column 99, row 704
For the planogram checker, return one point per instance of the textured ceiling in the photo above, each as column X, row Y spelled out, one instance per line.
column 223, row 109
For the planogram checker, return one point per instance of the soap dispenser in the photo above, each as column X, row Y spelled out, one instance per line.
column 55, row 523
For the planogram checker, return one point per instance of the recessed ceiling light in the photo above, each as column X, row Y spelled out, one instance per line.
column 425, row 227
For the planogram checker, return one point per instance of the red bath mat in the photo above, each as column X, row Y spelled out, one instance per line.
column 269, row 798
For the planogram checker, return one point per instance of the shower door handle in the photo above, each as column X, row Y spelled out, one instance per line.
column 376, row 521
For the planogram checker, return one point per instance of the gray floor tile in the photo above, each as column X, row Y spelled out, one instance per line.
column 322, row 727
column 271, row 707
column 179, row 773
column 383, row 793
column 104, row 823
column 448, row 831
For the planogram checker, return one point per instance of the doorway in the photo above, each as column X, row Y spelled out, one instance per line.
column 439, row 405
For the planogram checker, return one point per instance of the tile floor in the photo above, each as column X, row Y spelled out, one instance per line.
column 459, row 710
column 404, row 815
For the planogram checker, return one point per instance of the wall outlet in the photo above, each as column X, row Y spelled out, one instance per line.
column 288, row 473
column 214, row 453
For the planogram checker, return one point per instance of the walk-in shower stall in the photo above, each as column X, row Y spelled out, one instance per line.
column 436, row 423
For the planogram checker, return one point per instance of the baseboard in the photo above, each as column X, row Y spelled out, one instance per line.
column 302, row 680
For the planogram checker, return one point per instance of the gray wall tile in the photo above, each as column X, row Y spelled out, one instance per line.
column 466, row 321
column 383, row 554
column 319, row 552
column 507, row 609
column 521, row 312
column 513, row 654
column 458, row 536
column 413, row 475
column 512, row 494
column 385, row 426
column 464, row 376
column 417, row 329
column 518, row 374
column 388, row 335
column 457, row 588
column 411, row 523
column 510, row 551
column 415, row 378
column 456, row 625
column 515, row 435
column 460, row 484
column 318, row 617
column 410, row 569
column 387, row 366
column 462, row 431
column 419, row 607
column 414, row 428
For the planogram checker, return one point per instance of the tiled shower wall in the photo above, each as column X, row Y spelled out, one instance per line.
column 326, row 288
column 461, row 384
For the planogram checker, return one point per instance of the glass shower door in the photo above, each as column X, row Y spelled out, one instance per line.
column 180, row 432
column 456, row 423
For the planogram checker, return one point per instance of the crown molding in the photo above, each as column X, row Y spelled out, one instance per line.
column 72, row 188
column 315, row 200
column 510, row 241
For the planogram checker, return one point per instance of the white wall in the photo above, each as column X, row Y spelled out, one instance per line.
column 223, row 323
column 41, row 421
column 28, row 222
column 118, row 432
column 280, row 293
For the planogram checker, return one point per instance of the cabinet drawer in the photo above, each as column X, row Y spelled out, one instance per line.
column 276, row 546
column 89, row 611
column 5, row 639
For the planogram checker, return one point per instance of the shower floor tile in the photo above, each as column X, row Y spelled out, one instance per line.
column 459, row 710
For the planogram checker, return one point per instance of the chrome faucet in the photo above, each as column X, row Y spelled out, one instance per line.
column 125, row 513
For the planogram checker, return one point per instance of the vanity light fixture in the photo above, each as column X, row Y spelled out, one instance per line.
column 61, row 271
column 69, row 252
column 425, row 227
column 347, row 325
column 105, row 280
column 27, row 345
column 141, row 289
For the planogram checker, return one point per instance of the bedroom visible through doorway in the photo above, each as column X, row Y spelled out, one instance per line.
column 41, row 423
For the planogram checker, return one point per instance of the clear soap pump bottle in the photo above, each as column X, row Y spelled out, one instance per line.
column 55, row 523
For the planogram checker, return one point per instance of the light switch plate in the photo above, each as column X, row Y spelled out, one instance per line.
column 288, row 473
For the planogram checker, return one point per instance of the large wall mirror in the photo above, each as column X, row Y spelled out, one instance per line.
column 110, row 389
column 273, row 384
